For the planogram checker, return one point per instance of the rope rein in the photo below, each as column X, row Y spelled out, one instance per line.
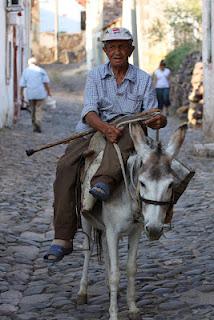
column 119, row 155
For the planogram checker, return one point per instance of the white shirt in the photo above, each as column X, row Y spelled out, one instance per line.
column 33, row 79
column 162, row 77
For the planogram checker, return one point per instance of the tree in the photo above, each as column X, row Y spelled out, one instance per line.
column 185, row 19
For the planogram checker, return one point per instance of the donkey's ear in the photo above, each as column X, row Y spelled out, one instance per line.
column 139, row 139
column 176, row 141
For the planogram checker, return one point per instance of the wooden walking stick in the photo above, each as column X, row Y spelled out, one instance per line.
column 74, row 136
column 142, row 116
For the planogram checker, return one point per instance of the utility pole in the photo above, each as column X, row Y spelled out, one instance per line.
column 56, row 31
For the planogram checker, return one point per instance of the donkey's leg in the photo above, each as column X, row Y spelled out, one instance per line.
column 131, row 272
column 82, row 297
column 106, row 258
column 114, row 274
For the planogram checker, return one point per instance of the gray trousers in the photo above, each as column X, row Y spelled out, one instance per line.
column 37, row 112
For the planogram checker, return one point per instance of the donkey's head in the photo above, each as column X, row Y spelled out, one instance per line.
column 155, row 179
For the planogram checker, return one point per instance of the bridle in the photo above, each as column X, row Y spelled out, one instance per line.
column 171, row 202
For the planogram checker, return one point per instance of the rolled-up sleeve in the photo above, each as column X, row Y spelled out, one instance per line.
column 150, row 98
column 45, row 78
column 90, row 97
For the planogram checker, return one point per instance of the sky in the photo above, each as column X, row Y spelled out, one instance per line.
column 69, row 15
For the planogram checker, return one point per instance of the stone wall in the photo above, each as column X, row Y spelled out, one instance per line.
column 71, row 48
column 181, row 81
column 112, row 10
column 187, row 90
column 196, row 97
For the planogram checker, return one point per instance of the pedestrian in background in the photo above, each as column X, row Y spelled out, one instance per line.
column 162, row 86
column 36, row 82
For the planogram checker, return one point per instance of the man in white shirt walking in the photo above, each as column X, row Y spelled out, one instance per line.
column 162, row 85
column 36, row 82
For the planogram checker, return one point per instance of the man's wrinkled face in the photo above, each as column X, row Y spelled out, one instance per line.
column 118, row 52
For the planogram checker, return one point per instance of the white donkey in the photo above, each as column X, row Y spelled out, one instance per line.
column 142, row 204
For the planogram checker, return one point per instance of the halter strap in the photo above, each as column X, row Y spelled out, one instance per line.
column 158, row 203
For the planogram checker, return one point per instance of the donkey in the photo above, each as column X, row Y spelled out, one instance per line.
column 142, row 205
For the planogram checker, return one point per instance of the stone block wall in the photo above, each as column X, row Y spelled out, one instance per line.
column 187, row 89
column 71, row 48
column 181, row 85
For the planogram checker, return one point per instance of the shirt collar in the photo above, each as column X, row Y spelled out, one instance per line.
column 130, row 74
column 106, row 71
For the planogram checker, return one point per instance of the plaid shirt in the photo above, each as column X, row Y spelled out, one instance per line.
column 108, row 99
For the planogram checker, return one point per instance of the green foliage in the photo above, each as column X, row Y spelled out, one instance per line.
column 182, row 20
column 177, row 56
column 157, row 31
column 185, row 19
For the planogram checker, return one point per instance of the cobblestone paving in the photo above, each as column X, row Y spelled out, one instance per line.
column 175, row 278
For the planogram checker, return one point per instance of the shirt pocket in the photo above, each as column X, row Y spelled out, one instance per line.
column 134, row 103
column 104, row 104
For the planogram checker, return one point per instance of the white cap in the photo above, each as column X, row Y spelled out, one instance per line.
column 117, row 34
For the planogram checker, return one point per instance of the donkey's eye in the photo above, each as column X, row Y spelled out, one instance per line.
column 170, row 185
column 142, row 184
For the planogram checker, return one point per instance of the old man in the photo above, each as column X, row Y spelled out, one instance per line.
column 112, row 89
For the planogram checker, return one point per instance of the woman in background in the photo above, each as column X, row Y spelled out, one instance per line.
column 162, row 86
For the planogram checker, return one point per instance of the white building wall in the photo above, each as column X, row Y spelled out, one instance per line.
column 94, row 25
column 15, row 32
column 6, row 103
column 69, row 15
column 147, row 13
column 208, row 61
column 129, row 21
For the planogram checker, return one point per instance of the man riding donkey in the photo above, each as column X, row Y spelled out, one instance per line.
column 113, row 89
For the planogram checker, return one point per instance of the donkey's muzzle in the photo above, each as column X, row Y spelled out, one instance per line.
column 153, row 232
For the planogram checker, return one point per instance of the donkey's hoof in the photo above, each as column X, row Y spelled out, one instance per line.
column 82, row 299
column 135, row 315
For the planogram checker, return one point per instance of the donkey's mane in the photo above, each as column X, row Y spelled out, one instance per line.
column 159, row 149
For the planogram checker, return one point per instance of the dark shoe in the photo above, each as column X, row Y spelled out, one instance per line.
column 37, row 128
column 100, row 191
column 58, row 252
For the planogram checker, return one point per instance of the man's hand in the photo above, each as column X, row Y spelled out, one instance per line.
column 112, row 133
column 159, row 121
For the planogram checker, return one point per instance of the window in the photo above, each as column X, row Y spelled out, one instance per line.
column 13, row 2
column 83, row 19
column 14, row 5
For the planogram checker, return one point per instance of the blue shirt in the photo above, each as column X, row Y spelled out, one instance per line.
column 108, row 99
column 33, row 79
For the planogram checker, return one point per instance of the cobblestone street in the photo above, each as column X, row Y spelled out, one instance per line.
column 175, row 279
